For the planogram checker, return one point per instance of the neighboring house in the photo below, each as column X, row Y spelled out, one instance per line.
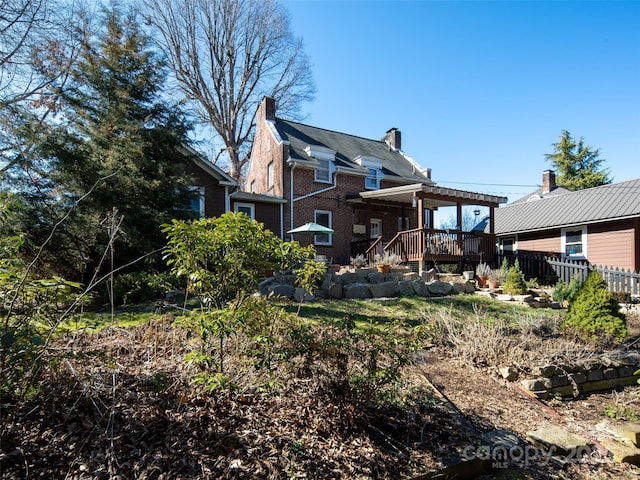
column 219, row 193
column 374, row 196
column 600, row 224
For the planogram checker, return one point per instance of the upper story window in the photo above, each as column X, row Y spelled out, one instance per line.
column 323, row 158
column 270, row 175
column 574, row 242
column 374, row 165
column 323, row 173
column 372, row 182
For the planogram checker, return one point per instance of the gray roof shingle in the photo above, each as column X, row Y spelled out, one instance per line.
column 597, row 204
column 396, row 166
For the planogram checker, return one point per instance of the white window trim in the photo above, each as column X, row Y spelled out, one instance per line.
column 372, row 222
column 329, row 242
column 250, row 206
column 563, row 243
column 515, row 244
column 329, row 171
column 378, row 177
column 270, row 175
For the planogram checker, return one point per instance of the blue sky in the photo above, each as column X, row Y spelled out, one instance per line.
column 480, row 90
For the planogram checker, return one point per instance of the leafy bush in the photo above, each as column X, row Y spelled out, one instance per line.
column 221, row 258
column 594, row 313
column 514, row 283
column 138, row 287
column 566, row 291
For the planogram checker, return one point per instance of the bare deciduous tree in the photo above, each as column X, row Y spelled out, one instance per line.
column 226, row 56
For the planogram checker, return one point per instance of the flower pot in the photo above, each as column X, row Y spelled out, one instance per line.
column 482, row 281
column 383, row 268
column 468, row 274
column 494, row 284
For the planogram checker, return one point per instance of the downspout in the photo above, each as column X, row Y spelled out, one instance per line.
column 291, row 200
column 293, row 166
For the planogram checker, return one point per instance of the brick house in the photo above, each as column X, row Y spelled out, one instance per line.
column 374, row 196
column 219, row 193
column 600, row 224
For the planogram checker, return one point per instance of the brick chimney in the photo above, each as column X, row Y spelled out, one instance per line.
column 548, row 181
column 267, row 109
column 394, row 139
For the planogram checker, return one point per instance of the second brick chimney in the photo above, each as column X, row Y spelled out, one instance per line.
column 548, row 181
column 394, row 139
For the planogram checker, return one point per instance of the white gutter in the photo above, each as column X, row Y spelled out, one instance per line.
column 318, row 191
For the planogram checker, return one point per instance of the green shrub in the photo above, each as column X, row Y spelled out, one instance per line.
column 136, row 287
column 566, row 291
column 594, row 313
column 514, row 283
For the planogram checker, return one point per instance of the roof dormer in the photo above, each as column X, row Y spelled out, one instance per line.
column 320, row 153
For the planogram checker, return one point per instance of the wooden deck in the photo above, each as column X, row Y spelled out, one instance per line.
column 432, row 246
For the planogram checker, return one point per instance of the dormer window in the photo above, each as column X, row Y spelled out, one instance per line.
column 374, row 165
column 323, row 158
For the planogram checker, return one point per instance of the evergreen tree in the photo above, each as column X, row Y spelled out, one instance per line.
column 594, row 313
column 111, row 137
column 577, row 166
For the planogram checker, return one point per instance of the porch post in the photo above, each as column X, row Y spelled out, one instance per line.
column 420, row 235
column 459, row 225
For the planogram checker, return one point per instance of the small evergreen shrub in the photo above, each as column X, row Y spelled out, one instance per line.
column 566, row 291
column 594, row 313
column 514, row 283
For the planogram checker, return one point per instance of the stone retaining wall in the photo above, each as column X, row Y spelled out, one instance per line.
column 369, row 283
column 586, row 375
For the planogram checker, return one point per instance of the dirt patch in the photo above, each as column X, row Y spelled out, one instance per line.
column 121, row 404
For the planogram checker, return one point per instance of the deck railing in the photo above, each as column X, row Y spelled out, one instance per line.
column 436, row 245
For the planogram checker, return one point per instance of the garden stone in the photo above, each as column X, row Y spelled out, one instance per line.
column 376, row 277
column 437, row 287
column 420, row 288
column 622, row 453
column 469, row 287
column 301, row 295
column 405, row 288
column 629, row 431
column 280, row 290
column 458, row 288
column 335, row 291
column 536, row 384
column 554, row 436
column 509, row 373
column 410, row 276
column 386, row 289
column 430, row 275
column 357, row 290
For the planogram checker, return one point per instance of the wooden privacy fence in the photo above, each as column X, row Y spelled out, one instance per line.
column 549, row 269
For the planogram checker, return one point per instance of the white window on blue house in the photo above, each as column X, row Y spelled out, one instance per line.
column 247, row 208
column 324, row 218
column 574, row 242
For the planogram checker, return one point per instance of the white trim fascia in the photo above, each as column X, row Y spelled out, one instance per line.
column 369, row 161
column 320, row 152
column 271, row 126
column 417, row 167
column 569, row 225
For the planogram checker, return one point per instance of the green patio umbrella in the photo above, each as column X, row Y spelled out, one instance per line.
column 312, row 228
